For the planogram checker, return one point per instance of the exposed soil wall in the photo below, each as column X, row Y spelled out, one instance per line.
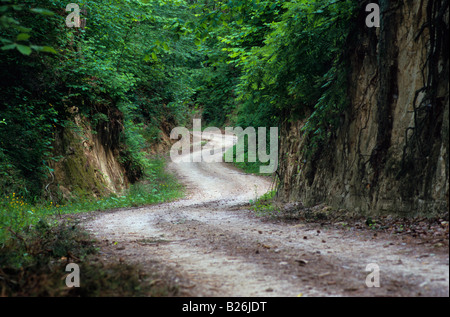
column 88, row 164
column 391, row 153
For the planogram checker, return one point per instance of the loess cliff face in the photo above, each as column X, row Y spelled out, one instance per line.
column 390, row 154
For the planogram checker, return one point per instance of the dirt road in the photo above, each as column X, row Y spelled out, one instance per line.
column 219, row 248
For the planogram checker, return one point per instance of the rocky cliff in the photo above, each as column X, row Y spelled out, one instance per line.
column 390, row 154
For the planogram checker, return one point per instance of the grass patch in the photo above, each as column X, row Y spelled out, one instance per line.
column 156, row 187
column 246, row 166
column 264, row 205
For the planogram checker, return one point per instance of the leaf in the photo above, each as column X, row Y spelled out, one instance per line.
column 8, row 47
column 42, row 11
column 22, row 37
column 49, row 49
column 25, row 50
column 23, row 29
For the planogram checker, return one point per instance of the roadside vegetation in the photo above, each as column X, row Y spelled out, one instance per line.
column 245, row 165
column 34, row 264
column 37, row 241
column 122, row 70
column 18, row 215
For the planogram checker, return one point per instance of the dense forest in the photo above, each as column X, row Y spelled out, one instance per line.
column 87, row 105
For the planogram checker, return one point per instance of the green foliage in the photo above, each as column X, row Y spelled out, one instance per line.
column 264, row 205
column 98, row 69
column 13, row 34
column 215, row 95
column 26, row 144
column 158, row 186
column 286, row 57
column 29, row 118
column 228, row 33
column 16, row 214
column 34, row 264
column 297, row 70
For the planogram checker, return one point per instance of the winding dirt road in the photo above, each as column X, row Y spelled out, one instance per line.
column 219, row 248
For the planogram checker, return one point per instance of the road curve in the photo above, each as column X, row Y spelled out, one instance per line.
column 222, row 249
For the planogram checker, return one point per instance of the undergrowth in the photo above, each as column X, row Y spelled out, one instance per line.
column 34, row 264
column 36, row 244
column 264, row 205
column 156, row 187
